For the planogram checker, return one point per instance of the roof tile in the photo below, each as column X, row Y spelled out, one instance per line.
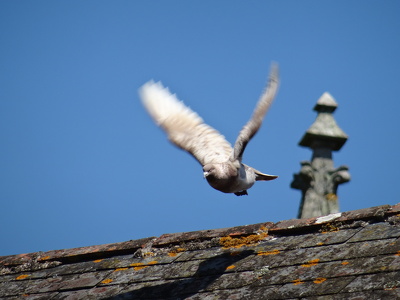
column 376, row 231
column 347, row 256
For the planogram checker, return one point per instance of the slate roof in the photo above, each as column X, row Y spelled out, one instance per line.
column 350, row 255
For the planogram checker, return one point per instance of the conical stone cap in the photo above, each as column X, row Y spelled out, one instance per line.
column 324, row 132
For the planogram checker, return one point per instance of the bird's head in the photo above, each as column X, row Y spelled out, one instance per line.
column 208, row 170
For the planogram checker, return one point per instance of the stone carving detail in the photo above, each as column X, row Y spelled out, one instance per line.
column 318, row 180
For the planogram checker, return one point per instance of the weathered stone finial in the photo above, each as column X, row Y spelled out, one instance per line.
column 318, row 180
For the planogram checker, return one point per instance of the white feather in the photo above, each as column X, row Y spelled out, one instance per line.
column 161, row 104
column 184, row 127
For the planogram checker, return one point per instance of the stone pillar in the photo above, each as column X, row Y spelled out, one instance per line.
column 318, row 180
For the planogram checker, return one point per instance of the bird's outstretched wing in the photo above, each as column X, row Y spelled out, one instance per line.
column 183, row 126
column 252, row 126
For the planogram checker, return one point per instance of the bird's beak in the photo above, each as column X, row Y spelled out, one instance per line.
column 205, row 174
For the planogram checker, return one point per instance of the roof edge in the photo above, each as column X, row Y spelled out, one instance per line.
column 130, row 247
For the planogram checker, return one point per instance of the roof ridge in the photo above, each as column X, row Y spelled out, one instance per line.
column 291, row 226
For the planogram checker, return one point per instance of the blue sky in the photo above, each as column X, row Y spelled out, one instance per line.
column 83, row 164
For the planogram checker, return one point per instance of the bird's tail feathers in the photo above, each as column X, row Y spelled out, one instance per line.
column 264, row 177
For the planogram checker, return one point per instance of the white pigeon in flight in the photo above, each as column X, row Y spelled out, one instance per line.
column 222, row 164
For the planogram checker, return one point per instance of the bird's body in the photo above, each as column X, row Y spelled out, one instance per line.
column 227, row 178
column 222, row 164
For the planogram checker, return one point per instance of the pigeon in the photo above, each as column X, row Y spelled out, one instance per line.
column 222, row 164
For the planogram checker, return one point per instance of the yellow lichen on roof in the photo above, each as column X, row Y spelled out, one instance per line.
column 136, row 264
column 139, row 266
column 175, row 252
column 248, row 240
column 120, row 269
column 44, row 258
column 311, row 263
column 106, row 281
column 273, row 252
column 297, row 281
column 319, row 280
